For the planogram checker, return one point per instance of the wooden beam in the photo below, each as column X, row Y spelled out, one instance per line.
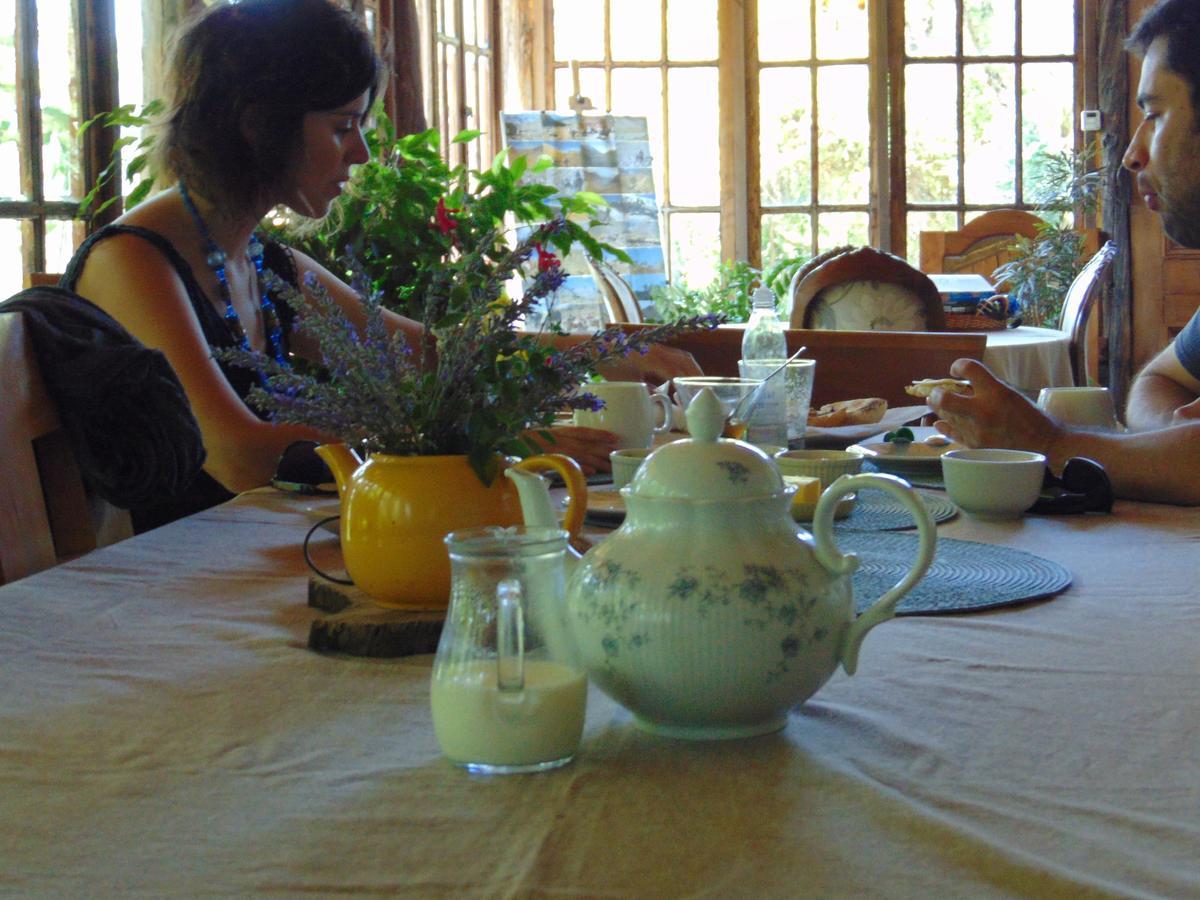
column 97, row 53
column 1114, row 106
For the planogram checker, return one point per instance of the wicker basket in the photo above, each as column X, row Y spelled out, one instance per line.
column 960, row 322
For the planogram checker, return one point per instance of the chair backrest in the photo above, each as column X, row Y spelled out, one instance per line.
column 850, row 364
column 1079, row 303
column 620, row 301
column 865, row 289
column 981, row 246
column 46, row 515
column 42, row 279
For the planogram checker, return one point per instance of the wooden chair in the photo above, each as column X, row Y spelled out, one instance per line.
column 981, row 246
column 620, row 302
column 850, row 364
column 865, row 289
column 46, row 515
column 1078, row 306
column 42, row 279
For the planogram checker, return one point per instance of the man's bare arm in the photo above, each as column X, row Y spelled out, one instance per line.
column 1161, row 388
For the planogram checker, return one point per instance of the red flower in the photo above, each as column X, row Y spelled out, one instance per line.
column 546, row 259
column 445, row 221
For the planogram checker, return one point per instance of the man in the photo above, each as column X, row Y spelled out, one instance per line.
column 1160, row 459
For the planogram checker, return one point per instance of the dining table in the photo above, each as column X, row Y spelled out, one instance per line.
column 1030, row 358
column 166, row 731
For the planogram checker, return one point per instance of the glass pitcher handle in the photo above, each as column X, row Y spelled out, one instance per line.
column 510, row 636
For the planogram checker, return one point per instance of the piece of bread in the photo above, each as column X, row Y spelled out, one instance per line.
column 866, row 411
column 925, row 386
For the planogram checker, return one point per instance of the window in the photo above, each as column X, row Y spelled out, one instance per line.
column 459, row 59
column 784, row 127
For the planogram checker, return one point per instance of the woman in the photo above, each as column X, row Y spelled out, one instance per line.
column 270, row 97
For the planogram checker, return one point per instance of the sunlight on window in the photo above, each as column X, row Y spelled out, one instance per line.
column 989, row 114
column 691, row 29
column 926, row 221
column 785, row 136
column 785, row 236
column 837, row 228
column 842, row 31
column 844, row 136
column 929, row 27
column 578, row 29
column 695, row 247
column 130, row 87
column 1048, row 27
column 10, row 156
column 638, row 26
column 1047, row 105
column 987, row 30
column 784, row 30
column 693, row 134
column 56, row 66
column 930, row 128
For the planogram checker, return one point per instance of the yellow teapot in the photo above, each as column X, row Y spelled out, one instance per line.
column 395, row 511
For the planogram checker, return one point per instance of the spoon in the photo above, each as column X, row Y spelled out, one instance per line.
column 747, row 403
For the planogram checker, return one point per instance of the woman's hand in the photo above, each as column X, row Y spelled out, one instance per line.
column 659, row 364
column 587, row 446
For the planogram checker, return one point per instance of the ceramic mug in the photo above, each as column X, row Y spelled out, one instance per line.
column 628, row 411
column 1086, row 407
column 625, row 464
column 993, row 485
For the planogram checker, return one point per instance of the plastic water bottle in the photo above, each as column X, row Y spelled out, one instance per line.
column 764, row 348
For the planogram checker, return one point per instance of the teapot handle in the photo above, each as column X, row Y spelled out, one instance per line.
column 837, row 563
column 575, row 481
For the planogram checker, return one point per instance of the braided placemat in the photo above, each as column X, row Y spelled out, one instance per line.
column 877, row 511
column 965, row 576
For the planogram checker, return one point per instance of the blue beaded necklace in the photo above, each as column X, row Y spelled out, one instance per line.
column 215, row 257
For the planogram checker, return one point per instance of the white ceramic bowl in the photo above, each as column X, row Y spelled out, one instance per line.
column 993, row 484
column 827, row 465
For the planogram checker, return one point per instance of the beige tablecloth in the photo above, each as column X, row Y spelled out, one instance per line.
column 164, row 732
column 1030, row 358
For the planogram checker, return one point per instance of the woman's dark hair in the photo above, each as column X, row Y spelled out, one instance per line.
column 1179, row 22
column 245, row 74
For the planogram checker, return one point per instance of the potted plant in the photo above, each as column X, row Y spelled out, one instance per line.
column 1043, row 267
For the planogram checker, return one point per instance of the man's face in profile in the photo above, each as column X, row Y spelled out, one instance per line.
column 1164, row 154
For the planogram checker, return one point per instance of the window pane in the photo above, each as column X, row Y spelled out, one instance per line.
column 591, row 85
column 1048, row 27
column 10, row 149
column 60, row 113
column 925, row 221
column 834, row 229
column 930, row 133
column 638, row 92
column 691, row 30
column 990, row 27
column 785, row 136
column 843, row 135
column 695, row 247
column 784, row 30
column 842, row 31
column 785, row 236
column 60, row 244
column 636, row 30
column 1047, row 108
column 694, row 162
column 929, row 27
column 988, row 131
column 578, row 29
column 468, row 19
column 11, row 278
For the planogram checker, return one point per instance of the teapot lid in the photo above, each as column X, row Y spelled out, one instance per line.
column 706, row 466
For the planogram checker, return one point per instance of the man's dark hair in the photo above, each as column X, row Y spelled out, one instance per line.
column 262, row 64
column 1179, row 22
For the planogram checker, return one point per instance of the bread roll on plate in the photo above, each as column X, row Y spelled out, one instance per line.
column 866, row 411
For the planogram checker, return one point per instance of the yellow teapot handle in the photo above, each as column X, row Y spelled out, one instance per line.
column 576, row 484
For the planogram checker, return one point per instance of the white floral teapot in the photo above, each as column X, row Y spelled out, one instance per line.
column 710, row 613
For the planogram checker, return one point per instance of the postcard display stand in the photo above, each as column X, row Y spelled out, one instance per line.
column 610, row 156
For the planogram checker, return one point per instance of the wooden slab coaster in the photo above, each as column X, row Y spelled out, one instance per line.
column 351, row 622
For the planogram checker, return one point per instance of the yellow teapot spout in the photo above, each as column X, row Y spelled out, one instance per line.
column 342, row 461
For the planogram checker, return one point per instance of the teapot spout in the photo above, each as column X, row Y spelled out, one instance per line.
column 537, row 508
column 342, row 461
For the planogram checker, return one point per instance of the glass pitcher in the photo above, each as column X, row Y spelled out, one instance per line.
column 507, row 693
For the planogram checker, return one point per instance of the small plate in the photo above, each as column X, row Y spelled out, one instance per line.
column 803, row 512
column 918, row 456
column 605, row 507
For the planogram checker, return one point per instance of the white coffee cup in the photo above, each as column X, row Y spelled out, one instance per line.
column 1085, row 407
column 625, row 464
column 993, row 484
column 628, row 411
